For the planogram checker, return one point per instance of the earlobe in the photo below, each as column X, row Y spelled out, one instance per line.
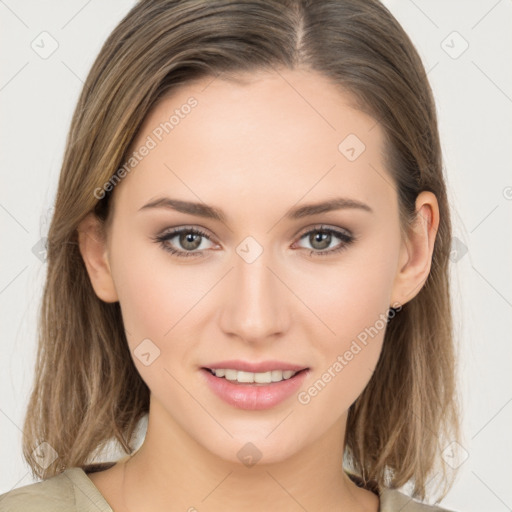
column 416, row 252
column 91, row 241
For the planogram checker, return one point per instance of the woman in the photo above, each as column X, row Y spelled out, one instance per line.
column 250, row 246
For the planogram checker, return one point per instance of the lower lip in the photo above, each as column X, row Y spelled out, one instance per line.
column 254, row 397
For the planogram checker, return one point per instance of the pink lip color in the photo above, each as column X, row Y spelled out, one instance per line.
column 261, row 367
column 254, row 397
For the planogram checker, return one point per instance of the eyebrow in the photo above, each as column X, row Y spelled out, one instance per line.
column 297, row 212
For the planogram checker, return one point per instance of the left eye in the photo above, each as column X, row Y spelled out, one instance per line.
column 320, row 239
column 190, row 239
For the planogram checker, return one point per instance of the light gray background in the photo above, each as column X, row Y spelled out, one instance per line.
column 473, row 92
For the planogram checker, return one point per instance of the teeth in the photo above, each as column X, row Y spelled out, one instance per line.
column 250, row 377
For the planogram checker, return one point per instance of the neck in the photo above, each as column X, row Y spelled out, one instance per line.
column 172, row 469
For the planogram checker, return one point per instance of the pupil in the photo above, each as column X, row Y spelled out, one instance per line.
column 190, row 238
column 319, row 237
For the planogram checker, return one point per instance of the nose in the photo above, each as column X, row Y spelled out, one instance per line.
column 255, row 305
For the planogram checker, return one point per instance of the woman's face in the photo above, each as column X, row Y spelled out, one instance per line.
column 259, row 283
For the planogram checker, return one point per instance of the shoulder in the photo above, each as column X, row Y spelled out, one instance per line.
column 55, row 493
column 392, row 500
column 69, row 491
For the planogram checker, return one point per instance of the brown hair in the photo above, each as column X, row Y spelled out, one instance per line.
column 87, row 390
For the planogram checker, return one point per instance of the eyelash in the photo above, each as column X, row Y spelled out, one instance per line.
column 165, row 237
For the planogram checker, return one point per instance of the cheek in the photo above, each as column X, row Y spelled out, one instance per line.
column 346, row 360
column 348, row 341
column 348, row 296
column 155, row 295
column 154, row 291
column 154, row 301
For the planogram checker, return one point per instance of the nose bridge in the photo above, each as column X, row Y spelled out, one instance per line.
column 254, row 308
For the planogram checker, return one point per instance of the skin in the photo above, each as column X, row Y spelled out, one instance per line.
column 253, row 150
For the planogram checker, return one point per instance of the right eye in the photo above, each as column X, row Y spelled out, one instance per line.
column 190, row 239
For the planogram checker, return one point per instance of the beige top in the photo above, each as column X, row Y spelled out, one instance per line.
column 73, row 491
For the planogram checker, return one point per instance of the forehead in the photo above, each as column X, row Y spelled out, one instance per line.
column 273, row 136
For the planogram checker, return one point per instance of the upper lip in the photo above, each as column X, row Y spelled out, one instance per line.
column 261, row 367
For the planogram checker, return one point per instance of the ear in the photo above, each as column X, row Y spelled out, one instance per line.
column 416, row 252
column 93, row 248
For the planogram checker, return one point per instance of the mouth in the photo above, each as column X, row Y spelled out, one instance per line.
column 254, row 390
column 254, row 378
